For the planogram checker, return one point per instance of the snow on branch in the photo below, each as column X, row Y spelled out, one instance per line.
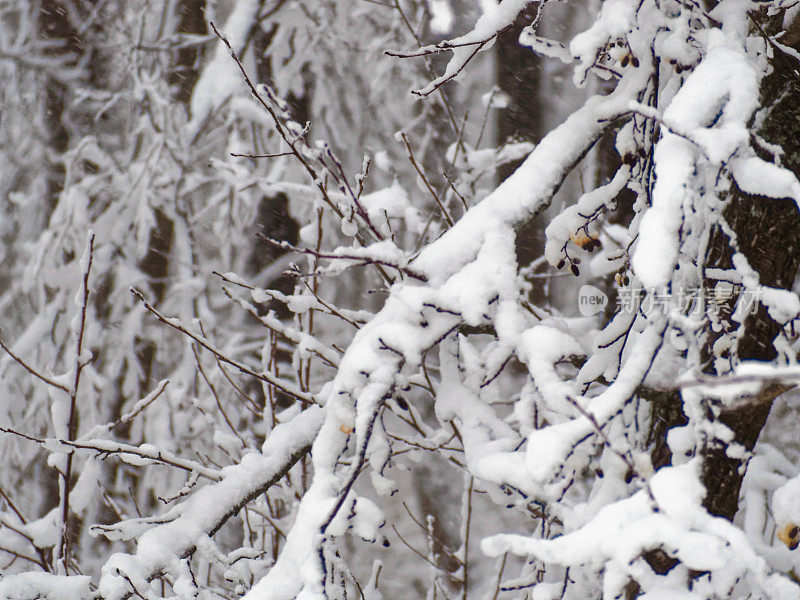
column 598, row 433
column 492, row 22
column 671, row 521
column 284, row 386
column 187, row 527
column 471, row 271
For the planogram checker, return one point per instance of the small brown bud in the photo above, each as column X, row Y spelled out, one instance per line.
column 790, row 535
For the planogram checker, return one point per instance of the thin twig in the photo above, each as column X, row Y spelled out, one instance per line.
column 138, row 408
column 363, row 260
column 12, row 506
column 33, row 371
column 275, row 295
column 108, row 448
column 72, row 422
column 17, row 555
column 444, row 546
column 455, row 191
column 440, row 47
column 467, row 523
column 279, row 127
column 500, row 576
column 428, row 67
column 43, row 558
column 284, row 386
column 267, row 14
column 420, row 554
column 456, row 73
column 276, row 326
column 419, row 170
column 276, row 155
column 216, row 396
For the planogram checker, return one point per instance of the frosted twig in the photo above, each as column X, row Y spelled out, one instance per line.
column 61, row 552
column 108, row 447
column 421, row 173
column 362, row 259
column 290, row 333
column 291, row 142
column 284, row 386
column 132, row 414
column 33, row 371
column 238, row 486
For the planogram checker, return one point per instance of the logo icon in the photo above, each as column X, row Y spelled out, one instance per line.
column 591, row 300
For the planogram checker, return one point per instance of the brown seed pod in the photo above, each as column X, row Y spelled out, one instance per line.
column 584, row 241
column 790, row 535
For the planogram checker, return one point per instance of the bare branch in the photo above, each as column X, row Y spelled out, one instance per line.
column 421, row 173
column 33, row 371
column 362, row 260
column 284, row 386
column 108, row 447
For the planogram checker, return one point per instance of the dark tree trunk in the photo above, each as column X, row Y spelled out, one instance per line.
column 273, row 219
column 191, row 21
column 55, row 25
column 768, row 233
column 518, row 75
column 155, row 264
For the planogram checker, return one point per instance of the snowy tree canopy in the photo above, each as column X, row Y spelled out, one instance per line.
column 270, row 330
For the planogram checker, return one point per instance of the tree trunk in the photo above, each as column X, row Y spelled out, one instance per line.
column 768, row 233
column 192, row 21
column 518, row 75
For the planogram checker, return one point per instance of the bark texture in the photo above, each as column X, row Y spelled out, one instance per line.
column 768, row 234
column 519, row 76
